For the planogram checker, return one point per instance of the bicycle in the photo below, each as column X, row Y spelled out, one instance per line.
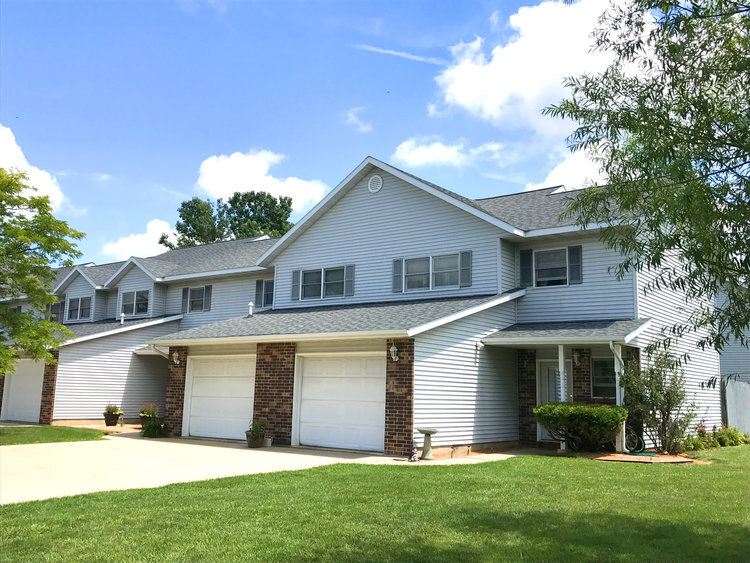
column 633, row 442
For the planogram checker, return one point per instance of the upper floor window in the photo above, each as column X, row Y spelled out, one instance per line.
column 17, row 309
column 134, row 302
column 56, row 311
column 432, row 272
column 558, row 266
column 603, row 378
column 196, row 299
column 264, row 293
column 79, row 308
column 323, row 283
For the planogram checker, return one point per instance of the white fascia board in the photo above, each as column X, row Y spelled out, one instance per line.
column 322, row 336
column 122, row 328
column 637, row 332
column 563, row 230
column 466, row 312
column 121, row 270
column 211, row 274
column 151, row 351
column 520, row 340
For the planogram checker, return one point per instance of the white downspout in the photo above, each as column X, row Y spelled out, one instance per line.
column 561, row 374
column 619, row 365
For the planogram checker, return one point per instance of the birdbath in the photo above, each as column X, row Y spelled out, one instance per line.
column 427, row 447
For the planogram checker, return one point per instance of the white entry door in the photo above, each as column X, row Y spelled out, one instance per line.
column 342, row 402
column 220, row 399
column 22, row 392
column 548, row 385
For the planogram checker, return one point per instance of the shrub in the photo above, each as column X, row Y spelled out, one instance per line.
column 656, row 396
column 112, row 409
column 729, row 436
column 155, row 428
column 582, row 427
column 148, row 409
column 257, row 428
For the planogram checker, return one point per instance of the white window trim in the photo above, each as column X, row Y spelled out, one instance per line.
column 203, row 303
column 591, row 376
column 567, row 267
column 135, row 295
column 322, row 295
column 431, row 273
column 78, row 317
column 273, row 295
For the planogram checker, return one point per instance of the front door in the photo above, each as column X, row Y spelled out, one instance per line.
column 548, row 386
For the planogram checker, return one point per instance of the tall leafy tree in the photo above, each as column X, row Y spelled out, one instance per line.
column 245, row 214
column 669, row 123
column 31, row 239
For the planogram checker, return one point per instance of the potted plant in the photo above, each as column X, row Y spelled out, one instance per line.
column 111, row 414
column 256, row 433
column 147, row 412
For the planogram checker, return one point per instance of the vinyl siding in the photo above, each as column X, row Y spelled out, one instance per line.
column 229, row 298
column 79, row 287
column 371, row 230
column 508, row 265
column 600, row 296
column 735, row 358
column 105, row 370
column 666, row 307
column 470, row 396
column 112, row 304
column 135, row 280
column 103, row 298
column 160, row 300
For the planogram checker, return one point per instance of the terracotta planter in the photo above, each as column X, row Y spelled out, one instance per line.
column 110, row 419
column 253, row 442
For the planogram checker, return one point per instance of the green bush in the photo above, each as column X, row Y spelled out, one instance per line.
column 726, row 436
column 582, row 427
column 729, row 436
column 155, row 428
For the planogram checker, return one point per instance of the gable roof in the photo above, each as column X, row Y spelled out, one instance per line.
column 99, row 329
column 531, row 210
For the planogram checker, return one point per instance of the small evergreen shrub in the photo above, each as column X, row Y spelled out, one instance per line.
column 583, row 427
column 155, row 428
column 725, row 437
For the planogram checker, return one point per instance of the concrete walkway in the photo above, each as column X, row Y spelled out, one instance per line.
column 127, row 461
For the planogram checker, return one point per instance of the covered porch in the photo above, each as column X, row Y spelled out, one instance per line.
column 590, row 355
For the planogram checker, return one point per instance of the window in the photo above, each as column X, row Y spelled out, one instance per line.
column 603, row 378
column 263, row 293
column 134, row 303
column 196, row 299
column 56, row 312
column 79, row 308
column 17, row 309
column 432, row 272
column 323, row 283
column 545, row 268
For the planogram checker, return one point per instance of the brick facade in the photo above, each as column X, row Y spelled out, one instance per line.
column 526, row 396
column 274, row 389
column 582, row 380
column 49, row 384
column 175, row 395
column 399, row 398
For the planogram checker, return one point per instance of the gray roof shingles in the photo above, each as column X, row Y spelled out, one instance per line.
column 613, row 329
column 89, row 329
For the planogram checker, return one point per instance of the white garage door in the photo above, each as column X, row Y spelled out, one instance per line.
column 221, row 397
column 342, row 402
column 22, row 392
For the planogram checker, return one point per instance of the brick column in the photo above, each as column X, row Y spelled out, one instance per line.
column 274, row 389
column 582, row 376
column 399, row 398
column 49, row 383
column 175, row 395
column 526, row 396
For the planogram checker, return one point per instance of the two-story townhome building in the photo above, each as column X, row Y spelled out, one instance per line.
column 400, row 305
column 113, row 310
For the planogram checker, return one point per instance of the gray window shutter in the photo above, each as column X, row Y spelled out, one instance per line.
column 295, row 285
column 259, row 293
column 207, row 298
column 465, row 269
column 398, row 278
column 349, row 280
column 575, row 264
column 527, row 274
column 185, row 298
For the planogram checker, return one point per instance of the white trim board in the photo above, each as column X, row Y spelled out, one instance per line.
column 123, row 328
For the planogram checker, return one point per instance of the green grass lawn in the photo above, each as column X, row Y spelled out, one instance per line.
column 529, row 507
column 11, row 435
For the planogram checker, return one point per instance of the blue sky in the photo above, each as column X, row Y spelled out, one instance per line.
column 121, row 110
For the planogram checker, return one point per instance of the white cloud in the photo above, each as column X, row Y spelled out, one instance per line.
column 12, row 157
column 431, row 151
column 403, row 55
column 510, row 84
column 220, row 176
column 102, row 177
column 139, row 244
column 575, row 171
column 352, row 118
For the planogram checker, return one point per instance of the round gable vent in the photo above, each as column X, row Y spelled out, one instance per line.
column 375, row 183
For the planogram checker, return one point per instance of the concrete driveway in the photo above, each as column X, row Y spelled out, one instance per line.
column 127, row 461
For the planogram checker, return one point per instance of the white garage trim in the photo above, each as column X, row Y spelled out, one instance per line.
column 189, row 374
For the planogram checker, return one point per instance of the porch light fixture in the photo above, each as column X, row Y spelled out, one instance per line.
column 394, row 352
column 175, row 358
column 576, row 359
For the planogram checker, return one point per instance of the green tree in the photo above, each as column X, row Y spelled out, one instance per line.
column 31, row 239
column 245, row 214
column 669, row 123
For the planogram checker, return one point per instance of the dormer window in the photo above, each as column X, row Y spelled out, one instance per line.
column 79, row 308
column 134, row 302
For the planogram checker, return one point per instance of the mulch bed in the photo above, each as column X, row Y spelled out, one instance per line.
column 652, row 458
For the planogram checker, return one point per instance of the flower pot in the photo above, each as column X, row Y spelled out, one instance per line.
column 111, row 418
column 267, row 441
column 253, row 441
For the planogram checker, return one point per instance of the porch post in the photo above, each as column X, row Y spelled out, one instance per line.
column 620, row 438
column 561, row 368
